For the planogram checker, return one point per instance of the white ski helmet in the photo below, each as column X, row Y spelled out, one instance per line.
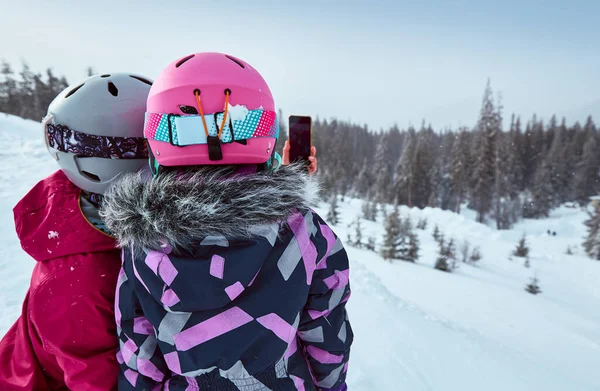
column 95, row 129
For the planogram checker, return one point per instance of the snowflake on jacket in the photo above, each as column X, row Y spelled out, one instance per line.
column 228, row 282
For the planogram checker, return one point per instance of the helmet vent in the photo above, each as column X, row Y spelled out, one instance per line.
column 180, row 62
column 235, row 60
column 74, row 90
column 141, row 79
column 91, row 176
column 114, row 91
column 188, row 109
column 105, row 76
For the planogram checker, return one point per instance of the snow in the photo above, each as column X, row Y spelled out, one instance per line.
column 416, row 328
column 476, row 328
column 237, row 112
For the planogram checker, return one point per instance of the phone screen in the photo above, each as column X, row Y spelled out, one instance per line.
column 300, row 138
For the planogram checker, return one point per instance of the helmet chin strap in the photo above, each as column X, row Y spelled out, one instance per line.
column 276, row 161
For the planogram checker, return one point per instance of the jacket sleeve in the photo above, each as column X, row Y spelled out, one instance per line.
column 324, row 331
column 19, row 369
column 142, row 364
column 72, row 313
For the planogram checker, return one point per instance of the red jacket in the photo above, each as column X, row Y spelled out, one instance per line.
column 66, row 337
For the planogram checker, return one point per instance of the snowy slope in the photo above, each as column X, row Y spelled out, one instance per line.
column 416, row 328
column 477, row 328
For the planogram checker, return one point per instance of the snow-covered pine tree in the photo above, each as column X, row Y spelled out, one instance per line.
column 358, row 240
column 370, row 245
column 408, row 247
column 367, row 210
column 364, row 181
column 465, row 248
column 505, row 186
column 587, row 175
column 422, row 223
column 533, row 286
column 442, row 263
column 442, row 190
column 392, row 236
column 522, row 249
column 518, row 145
column 475, row 255
column 436, row 233
column 374, row 210
column 333, row 216
column 451, row 254
column 592, row 242
column 382, row 168
column 403, row 183
column 557, row 164
column 423, row 167
column 488, row 127
column 542, row 198
column 460, row 167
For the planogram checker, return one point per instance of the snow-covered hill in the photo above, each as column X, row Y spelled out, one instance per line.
column 416, row 328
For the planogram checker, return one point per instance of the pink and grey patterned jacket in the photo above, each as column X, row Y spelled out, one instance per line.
column 229, row 282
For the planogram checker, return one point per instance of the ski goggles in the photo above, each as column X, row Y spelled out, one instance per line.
column 239, row 126
column 64, row 139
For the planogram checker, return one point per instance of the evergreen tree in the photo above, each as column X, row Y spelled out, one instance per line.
column 408, row 244
column 383, row 171
column 357, row 239
column 370, row 244
column 533, row 286
column 485, row 161
column 8, row 89
column 556, row 163
column 587, row 176
column 393, row 236
column 446, row 260
column 475, row 255
column 374, row 210
column 515, row 157
column 522, row 249
column 404, row 171
column 592, row 242
column 460, row 168
column 506, row 193
column 465, row 249
column 26, row 93
column 367, row 210
column 333, row 216
column 422, row 167
column 451, row 254
column 541, row 199
column 442, row 190
column 364, row 181
column 436, row 233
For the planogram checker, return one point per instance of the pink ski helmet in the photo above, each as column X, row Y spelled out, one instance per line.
column 210, row 109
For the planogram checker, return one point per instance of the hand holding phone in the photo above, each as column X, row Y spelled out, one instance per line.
column 312, row 167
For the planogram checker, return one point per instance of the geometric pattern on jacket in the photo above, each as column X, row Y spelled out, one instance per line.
column 262, row 311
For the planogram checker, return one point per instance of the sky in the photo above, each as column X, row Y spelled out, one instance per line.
column 374, row 62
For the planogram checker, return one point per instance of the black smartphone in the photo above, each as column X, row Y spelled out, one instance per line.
column 300, row 136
